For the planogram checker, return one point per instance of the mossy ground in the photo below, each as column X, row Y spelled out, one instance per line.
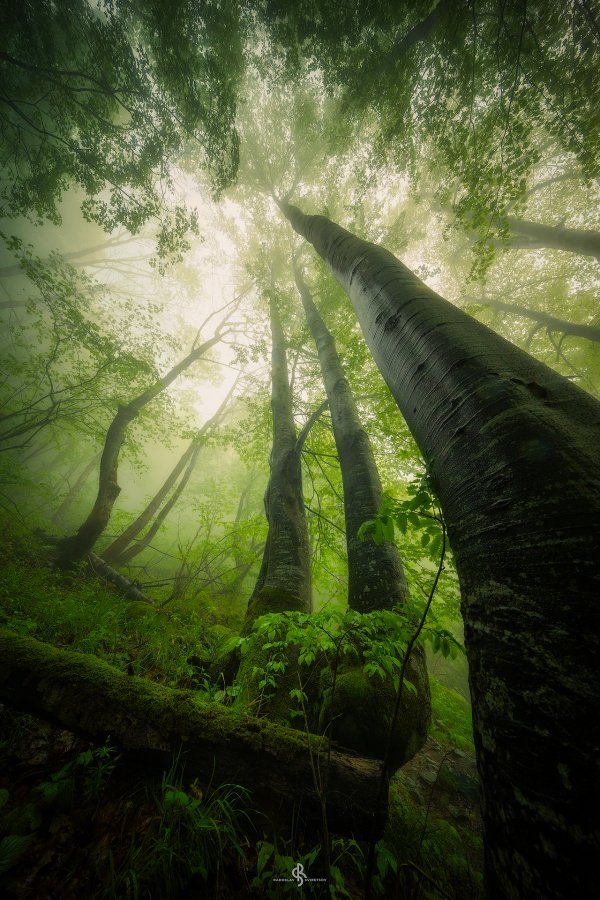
column 98, row 847
column 451, row 722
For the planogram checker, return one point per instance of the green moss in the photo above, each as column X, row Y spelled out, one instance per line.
column 270, row 600
column 267, row 699
column 362, row 707
column 451, row 717
column 147, row 708
column 445, row 852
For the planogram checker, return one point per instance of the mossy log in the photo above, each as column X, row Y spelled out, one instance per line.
column 85, row 695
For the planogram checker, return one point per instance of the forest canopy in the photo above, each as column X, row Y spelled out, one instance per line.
column 299, row 415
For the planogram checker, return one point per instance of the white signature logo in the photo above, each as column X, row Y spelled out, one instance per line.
column 298, row 873
column 299, row 876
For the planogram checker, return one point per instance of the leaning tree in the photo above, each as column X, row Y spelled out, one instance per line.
column 512, row 450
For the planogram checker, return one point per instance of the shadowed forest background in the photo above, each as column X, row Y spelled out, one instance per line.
column 299, row 449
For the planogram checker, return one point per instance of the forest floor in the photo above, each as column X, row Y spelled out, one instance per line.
column 443, row 781
column 78, row 815
column 82, row 821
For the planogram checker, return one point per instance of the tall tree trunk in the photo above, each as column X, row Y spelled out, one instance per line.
column 513, row 451
column 285, row 572
column 284, row 579
column 114, row 552
column 74, row 492
column 375, row 575
column 78, row 545
column 526, row 235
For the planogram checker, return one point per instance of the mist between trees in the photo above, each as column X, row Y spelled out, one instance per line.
column 299, row 395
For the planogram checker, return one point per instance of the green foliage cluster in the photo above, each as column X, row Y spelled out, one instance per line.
column 329, row 639
column 94, row 97
column 76, row 611
column 188, row 839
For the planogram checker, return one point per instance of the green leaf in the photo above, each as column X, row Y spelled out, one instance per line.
column 387, row 528
column 409, row 686
column 402, row 522
column 264, row 854
column 12, row 850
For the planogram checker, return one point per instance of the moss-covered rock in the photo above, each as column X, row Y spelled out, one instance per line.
column 361, row 708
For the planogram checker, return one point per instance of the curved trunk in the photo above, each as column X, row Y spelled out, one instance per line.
column 375, row 576
column 136, row 546
column 115, row 552
column 513, row 451
column 78, row 545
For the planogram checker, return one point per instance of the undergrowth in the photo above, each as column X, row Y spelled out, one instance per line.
column 86, row 818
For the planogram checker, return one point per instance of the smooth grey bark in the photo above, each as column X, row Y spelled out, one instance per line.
column 375, row 576
column 513, row 452
column 117, row 550
column 284, row 580
column 78, row 545
column 527, row 235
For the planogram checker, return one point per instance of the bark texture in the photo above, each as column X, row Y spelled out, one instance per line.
column 284, row 579
column 79, row 692
column 375, row 575
column 513, row 452
column 78, row 545
column 285, row 569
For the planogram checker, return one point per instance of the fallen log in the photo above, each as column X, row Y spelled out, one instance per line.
column 83, row 694
column 129, row 589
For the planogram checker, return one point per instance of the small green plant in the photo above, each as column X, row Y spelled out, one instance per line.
column 84, row 776
column 186, row 839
